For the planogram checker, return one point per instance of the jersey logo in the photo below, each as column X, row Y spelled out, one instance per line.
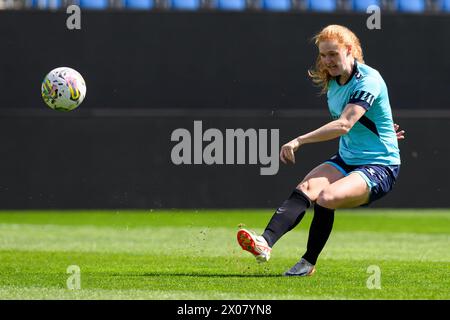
column 362, row 96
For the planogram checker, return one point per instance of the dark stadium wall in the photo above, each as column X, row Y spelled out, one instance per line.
column 125, row 162
column 149, row 74
column 215, row 60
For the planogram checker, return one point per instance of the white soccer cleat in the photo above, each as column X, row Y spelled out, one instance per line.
column 301, row 269
column 254, row 244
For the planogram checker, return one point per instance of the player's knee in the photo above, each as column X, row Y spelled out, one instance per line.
column 327, row 199
column 305, row 187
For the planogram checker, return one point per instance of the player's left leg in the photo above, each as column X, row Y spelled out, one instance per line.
column 351, row 190
column 362, row 186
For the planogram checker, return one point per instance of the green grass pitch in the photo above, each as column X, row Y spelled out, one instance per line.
column 194, row 255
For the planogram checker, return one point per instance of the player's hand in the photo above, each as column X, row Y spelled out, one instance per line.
column 400, row 134
column 287, row 151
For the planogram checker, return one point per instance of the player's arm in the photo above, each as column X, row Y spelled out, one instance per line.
column 334, row 129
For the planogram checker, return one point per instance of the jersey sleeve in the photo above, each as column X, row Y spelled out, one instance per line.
column 365, row 92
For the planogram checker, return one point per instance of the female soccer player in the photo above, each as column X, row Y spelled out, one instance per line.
column 363, row 170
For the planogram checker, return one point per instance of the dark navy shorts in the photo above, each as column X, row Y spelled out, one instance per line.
column 380, row 178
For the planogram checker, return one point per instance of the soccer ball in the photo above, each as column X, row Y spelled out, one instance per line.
column 63, row 89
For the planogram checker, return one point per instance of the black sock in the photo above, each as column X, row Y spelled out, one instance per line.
column 287, row 216
column 319, row 232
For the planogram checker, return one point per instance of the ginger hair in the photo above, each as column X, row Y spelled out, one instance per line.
column 344, row 37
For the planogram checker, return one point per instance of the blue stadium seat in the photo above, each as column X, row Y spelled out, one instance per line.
column 446, row 6
column 236, row 5
column 94, row 4
column 411, row 5
column 277, row 5
column 362, row 5
column 322, row 5
column 186, row 4
column 46, row 4
column 139, row 4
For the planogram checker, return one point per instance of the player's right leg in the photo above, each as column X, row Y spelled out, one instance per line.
column 256, row 245
column 290, row 213
column 318, row 179
column 292, row 210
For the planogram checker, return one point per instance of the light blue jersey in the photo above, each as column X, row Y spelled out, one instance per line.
column 372, row 140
